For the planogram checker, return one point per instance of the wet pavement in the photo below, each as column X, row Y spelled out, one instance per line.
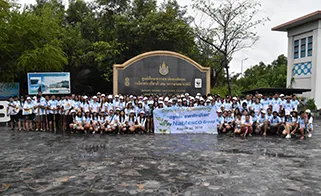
column 54, row 164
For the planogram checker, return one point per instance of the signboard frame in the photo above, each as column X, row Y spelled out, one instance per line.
column 40, row 76
column 121, row 67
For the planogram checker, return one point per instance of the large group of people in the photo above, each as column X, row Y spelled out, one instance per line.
column 120, row 114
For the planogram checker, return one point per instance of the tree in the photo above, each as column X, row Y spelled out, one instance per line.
column 231, row 28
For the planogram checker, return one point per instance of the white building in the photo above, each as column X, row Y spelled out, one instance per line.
column 304, row 54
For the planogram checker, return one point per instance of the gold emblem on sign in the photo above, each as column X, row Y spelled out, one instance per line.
column 163, row 69
column 127, row 83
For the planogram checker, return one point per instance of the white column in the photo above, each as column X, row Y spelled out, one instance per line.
column 290, row 61
column 317, row 65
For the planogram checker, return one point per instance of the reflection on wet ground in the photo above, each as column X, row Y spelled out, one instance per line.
column 54, row 164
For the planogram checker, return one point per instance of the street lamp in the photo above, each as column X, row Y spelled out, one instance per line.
column 242, row 66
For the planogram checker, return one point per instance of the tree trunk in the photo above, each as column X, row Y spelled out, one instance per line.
column 228, row 79
column 214, row 76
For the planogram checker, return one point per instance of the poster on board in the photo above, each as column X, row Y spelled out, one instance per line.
column 49, row 83
column 8, row 90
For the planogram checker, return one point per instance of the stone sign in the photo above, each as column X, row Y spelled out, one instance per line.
column 161, row 72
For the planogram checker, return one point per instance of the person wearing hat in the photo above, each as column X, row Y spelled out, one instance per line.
column 116, row 102
column 73, row 122
column 122, row 103
column 220, row 121
column 275, row 124
column 27, row 113
column 94, row 106
column 87, row 122
column 111, row 122
column 309, row 122
column 77, row 124
column 139, row 108
column 140, row 125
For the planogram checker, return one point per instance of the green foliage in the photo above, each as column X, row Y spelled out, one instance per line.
column 310, row 104
column 258, row 76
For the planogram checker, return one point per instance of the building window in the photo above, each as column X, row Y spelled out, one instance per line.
column 310, row 44
column 296, row 49
column 303, row 48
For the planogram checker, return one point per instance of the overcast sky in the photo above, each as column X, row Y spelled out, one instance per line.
column 271, row 43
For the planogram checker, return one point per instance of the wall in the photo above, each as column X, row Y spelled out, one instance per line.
column 305, row 71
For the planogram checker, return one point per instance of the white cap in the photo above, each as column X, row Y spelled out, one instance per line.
column 116, row 96
column 161, row 98
column 117, row 109
column 282, row 95
column 73, row 111
column 131, row 111
column 179, row 100
column 166, row 99
column 197, row 97
column 142, row 112
column 86, row 111
column 131, row 96
column 85, row 97
column 210, row 98
column 140, row 102
column 94, row 97
column 186, row 94
column 161, row 102
column 234, row 98
column 263, row 112
column 198, row 94
column 110, row 96
column 308, row 111
column 28, row 98
column 201, row 99
column 103, row 95
column 98, row 93
column 121, row 97
column 208, row 101
column 128, row 103
column 219, row 111
column 150, row 102
column 182, row 95
column 192, row 98
column 170, row 101
column 145, row 98
column 184, row 99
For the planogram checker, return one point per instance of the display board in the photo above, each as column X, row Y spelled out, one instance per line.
column 49, row 83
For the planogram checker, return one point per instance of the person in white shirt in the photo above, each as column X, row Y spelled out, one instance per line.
column 12, row 111
column 141, row 122
column 247, row 126
column 94, row 106
column 28, row 108
column 122, row 121
column 131, row 121
column 261, row 123
column 111, row 121
column 53, row 105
